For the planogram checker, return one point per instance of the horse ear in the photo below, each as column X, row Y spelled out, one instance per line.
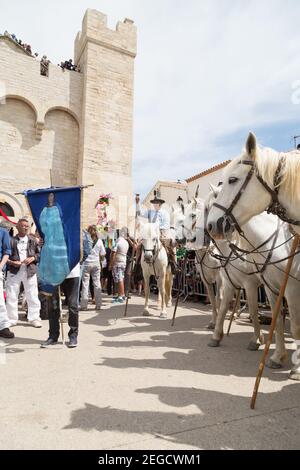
column 251, row 146
column 214, row 190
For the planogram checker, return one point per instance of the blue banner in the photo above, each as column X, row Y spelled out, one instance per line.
column 56, row 214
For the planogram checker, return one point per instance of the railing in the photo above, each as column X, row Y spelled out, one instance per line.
column 190, row 284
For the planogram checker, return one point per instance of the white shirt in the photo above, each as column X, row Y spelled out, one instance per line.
column 97, row 251
column 121, row 249
column 75, row 272
column 22, row 246
column 162, row 217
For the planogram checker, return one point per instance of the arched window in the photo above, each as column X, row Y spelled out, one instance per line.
column 7, row 209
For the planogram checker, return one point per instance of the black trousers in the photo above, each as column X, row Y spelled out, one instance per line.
column 71, row 290
column 110, row 284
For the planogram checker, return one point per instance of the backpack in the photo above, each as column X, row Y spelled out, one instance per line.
column 87, row 245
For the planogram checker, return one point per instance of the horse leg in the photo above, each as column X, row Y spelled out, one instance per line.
column 159, row 300
column 280, row 355
column 211, row 295
column 219, row 286
column 168, row 289
column 146, row 312
column 161, row 284
column 218, row 332
column 252, row 299
column 295, row 372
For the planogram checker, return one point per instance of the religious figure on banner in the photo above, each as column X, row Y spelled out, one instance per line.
column 54, row 265
column 56, row 214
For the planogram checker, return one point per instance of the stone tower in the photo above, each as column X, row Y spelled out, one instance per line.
column 78, row 125
column 106, row 59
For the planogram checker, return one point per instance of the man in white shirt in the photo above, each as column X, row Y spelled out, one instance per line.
column 118, row 262
column 162, row 217
column 22, row 268
column 91, row 267
column 157, row 214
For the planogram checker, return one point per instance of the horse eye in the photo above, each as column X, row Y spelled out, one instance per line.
column 232, row 180
column 220, row 183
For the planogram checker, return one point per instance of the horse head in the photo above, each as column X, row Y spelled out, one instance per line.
column 241, row 195
column 150, row 240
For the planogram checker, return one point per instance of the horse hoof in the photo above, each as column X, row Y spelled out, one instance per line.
column 273, row 365
column 211, row 326
column 146, row 313
column 253, row 346
column 163, row 315
column 295, row 375
column 214, row 343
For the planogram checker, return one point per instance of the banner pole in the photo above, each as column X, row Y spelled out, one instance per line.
column 275, row 314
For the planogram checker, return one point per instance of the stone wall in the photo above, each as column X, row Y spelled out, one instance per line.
column 76, row 126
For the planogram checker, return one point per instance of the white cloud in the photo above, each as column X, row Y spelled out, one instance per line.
column 205, row 69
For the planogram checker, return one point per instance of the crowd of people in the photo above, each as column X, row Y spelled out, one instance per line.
column 68, row 65
column 101, row 269
column 65, row 65
column 26, row 47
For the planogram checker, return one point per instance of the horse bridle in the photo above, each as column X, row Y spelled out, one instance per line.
column 274, row 208
column 153, row 250
column 194, row 227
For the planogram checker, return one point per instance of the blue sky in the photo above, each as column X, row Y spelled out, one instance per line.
column 207, row 72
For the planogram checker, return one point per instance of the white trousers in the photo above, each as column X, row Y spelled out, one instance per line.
column 13, row 285
column 4, row 321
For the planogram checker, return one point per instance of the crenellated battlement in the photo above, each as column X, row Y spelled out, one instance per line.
column 94, row 29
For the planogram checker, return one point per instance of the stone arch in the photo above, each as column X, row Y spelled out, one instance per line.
column 15, row 204
column 25, row 100
column 17, row 123
column 66, row 110
column 62, row 134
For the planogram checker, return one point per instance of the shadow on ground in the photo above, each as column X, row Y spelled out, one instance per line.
column 220, row 420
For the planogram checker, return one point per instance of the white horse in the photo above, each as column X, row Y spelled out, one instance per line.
column 209, row 269
column 185, row 220
column 155, row 262
column 235, row 275
column 247, row 192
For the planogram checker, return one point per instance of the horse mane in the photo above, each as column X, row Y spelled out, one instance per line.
column 267, row 161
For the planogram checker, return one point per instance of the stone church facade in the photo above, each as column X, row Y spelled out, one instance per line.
column 74, row 126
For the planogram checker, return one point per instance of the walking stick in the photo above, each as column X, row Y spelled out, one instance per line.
column 234, row 310
column 60, row 316
column 131, row 263
column 275, row 314
column 178, row 291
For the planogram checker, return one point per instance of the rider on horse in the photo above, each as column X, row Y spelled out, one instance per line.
column 162, row 217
